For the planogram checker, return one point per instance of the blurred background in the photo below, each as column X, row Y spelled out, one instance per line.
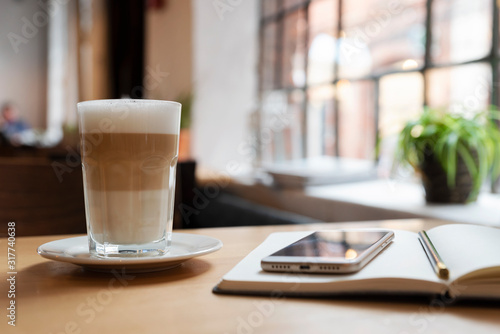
column 269, row 80
column 261, row 82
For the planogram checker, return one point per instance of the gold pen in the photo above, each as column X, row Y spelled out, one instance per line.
column 433, row 256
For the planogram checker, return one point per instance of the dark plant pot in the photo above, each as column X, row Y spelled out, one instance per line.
column 436, row 186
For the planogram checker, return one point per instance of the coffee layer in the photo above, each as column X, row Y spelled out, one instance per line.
column 128, row 161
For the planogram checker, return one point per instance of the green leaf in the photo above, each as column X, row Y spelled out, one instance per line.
column 451, row 159
column 471, row 167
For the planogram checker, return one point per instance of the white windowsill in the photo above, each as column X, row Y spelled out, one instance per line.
column 368, row 200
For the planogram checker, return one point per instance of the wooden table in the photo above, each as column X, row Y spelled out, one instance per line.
column 53, row 297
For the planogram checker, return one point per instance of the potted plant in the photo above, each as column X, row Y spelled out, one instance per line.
column 454, row 153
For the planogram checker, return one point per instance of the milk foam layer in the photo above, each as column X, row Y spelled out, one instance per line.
column 130, row 116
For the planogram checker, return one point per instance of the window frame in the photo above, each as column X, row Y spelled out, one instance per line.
column 279, row 19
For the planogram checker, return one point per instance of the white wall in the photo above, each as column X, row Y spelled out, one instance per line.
column 225, row 60
column 23, row 74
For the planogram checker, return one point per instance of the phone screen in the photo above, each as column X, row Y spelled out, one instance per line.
column 345, row 245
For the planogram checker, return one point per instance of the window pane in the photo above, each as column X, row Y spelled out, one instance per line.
column 294, row 49
column 384, row 35
column 294, row 122
column 401, row 99
column 322, row 39
column 274, row 105
column 467, row 86
column 320, row 121
column 268, row 65
column 461, row 30
column 356, row 119
column 292, row 3
column 281, row 132
column 269, row 7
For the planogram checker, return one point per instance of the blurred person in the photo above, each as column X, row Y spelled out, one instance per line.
column 12, row 127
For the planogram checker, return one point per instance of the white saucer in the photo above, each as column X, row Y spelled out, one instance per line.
column 76, row 250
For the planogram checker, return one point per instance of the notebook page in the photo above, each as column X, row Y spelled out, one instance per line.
column 465, row 248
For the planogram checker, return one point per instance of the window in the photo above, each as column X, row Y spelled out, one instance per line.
column 344, row 75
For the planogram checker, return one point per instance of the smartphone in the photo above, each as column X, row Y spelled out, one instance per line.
column 335, row 251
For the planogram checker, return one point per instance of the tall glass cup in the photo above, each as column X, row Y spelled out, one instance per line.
column 129, row 154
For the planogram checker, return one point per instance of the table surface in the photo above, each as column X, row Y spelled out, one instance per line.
column 55, row 297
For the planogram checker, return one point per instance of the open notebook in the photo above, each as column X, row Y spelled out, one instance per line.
column 472, row 254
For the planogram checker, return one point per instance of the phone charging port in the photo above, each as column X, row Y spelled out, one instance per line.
column 305, row 267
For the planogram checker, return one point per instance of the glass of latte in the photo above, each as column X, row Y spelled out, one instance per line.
column 129, row 154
